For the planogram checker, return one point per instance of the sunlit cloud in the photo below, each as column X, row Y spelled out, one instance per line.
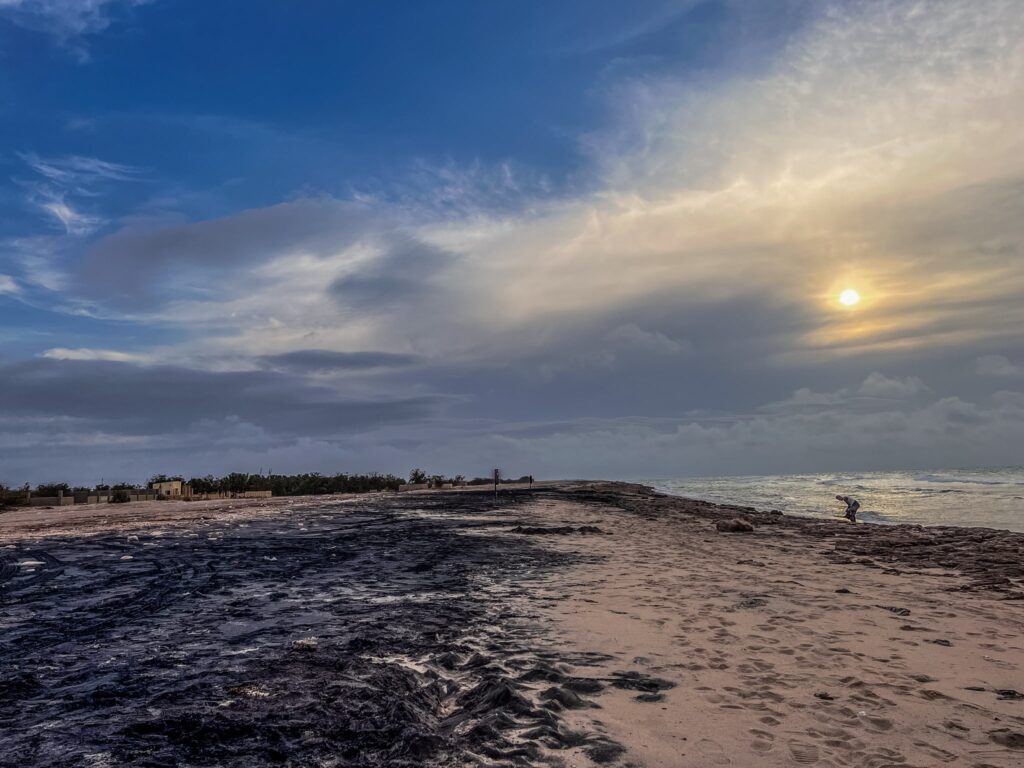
column 876, row 151
column 695, row 263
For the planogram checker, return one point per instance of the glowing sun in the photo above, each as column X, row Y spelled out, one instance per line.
column 849, row 297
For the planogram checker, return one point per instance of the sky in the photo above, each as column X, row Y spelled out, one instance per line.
column 578, row 239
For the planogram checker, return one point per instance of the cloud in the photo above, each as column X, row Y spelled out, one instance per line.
column 117, row 397
column 649, row 341
column 74, row 222
column 805, row 398
column 82, row 353
column 37, row 260
column 932, row 434
column 935, row 433
column 67, row 20
column 183, row 256
column 8, row 285
column 814, row 175
column 327, row 361
column 405, row 267
column 58, row 180
column 877, row 385
column 79, row 170
column 997, row 365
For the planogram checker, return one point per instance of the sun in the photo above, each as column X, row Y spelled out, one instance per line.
column 849, row 297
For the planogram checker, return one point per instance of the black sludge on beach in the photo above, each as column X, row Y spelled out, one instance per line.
column 339, row 634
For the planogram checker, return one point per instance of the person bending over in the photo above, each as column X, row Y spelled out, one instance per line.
column 852, row 505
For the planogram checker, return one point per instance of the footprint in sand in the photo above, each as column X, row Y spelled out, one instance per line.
column 937, row 753
column 803, row 753
column 713, row 751
column 762, row 743
column 878, row 724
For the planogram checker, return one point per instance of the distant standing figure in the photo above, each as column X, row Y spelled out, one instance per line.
column 852, row 505
column 531, row 481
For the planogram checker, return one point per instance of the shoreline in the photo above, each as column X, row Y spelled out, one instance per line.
column 576, row 624
column 983, row 498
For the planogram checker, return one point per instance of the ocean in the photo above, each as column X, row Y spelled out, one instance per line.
column 989, row 498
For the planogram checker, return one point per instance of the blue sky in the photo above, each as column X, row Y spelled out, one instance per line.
column 328, row 96
column 588, row 238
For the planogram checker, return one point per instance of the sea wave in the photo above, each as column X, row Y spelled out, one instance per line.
column 872, row 516
column 949, row 479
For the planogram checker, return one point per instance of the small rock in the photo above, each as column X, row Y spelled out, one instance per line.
column 733, row 526
column 649, row 697
column 1008, row 694
column 824, row 696
column 752, row 602
column 842, row 591
column 946, row 643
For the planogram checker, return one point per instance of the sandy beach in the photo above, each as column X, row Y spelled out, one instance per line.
column 570, row 624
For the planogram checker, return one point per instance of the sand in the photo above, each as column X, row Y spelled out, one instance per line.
column 572, row 624
column 772, row 665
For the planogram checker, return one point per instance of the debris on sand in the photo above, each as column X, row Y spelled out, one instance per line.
column 637, row 681
column 564, row 530
column 306, row 644
column 895, row 609
column 249, row 691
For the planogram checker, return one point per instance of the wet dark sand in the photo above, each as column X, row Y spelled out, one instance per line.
column 573, row 624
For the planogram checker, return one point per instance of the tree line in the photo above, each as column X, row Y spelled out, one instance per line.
column 305, row 484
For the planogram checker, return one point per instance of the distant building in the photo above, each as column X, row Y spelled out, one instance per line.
column 171, row 489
